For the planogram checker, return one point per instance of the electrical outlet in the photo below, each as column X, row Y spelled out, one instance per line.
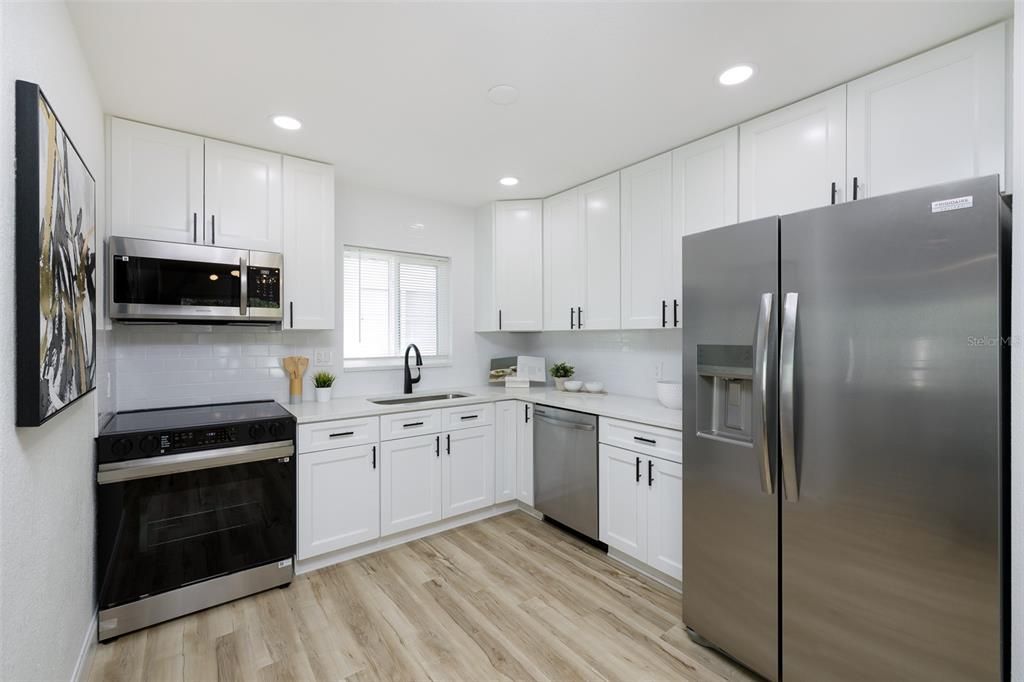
column 659, row 370
column 323, row 357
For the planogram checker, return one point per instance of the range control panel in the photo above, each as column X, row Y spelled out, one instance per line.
column 189, row 440
column 118, row 448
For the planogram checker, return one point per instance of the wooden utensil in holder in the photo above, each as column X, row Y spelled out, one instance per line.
column 295, row 366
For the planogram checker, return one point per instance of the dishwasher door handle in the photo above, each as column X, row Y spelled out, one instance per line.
column 561, row 422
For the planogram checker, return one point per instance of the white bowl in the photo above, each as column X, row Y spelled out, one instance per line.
column 572, row 386
column 670, row 394
column 594, row 386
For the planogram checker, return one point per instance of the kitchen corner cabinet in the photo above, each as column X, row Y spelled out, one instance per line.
column 309, row 244
column 507, row 414
column 794, row 158
column 508, row 255
column 243, row 197
column 646, row 243
column 524, row 453
column 338, row 498
column 937, row 117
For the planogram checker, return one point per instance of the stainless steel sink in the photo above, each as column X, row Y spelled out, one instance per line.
column 426, row 398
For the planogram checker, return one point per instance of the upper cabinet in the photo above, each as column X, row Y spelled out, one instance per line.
column 647, row 236
column 156, row 183
column 581, row 257
column 509, row 272
column 309, row 250
column 243, row 197
column 794, row 158
column 936, row 117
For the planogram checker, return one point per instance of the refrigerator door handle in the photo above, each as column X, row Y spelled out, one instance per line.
column 786, row 397
column 764, row 323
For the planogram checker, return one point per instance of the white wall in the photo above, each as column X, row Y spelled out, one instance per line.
column 46, row 473
column 161, row 366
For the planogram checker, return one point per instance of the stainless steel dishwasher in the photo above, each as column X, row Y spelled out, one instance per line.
column 565, row 468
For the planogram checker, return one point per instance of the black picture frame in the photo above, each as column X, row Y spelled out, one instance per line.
column 55, row 348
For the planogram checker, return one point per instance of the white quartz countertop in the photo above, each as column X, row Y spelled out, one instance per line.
column 644, row 410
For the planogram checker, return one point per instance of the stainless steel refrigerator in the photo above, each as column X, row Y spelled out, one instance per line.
column 845, row 438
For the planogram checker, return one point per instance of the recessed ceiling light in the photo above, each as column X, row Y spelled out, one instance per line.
column 287, row 122
column 736, row 74
column 503, row 94
column 417, row 226
column 509, row 181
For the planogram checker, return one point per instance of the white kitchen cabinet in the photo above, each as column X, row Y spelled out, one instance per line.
column 622, row 501
column 507, row 413
column 937, row 117
column 791, row 159
column 309, row 246
column 601, row 220
column 156, row 183
column 645, row 242
column 524, row 454
column 509, row 271
column 410, row 483
column 665, row 516
column 243, row 197
column 339, row 499
column 467, row 470
column 564, row 260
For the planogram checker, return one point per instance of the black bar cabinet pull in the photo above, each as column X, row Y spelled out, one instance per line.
column 448, row 446
column 572, row 318
column 291, row 314
column 213, row 229
column 195, row 227
column 526, row 413
column 499, row 319
column 437, row 446
column 637, row 469
column 579, row 317
column 341, row 433
column 856, row 186
column 650, row 473
column 834, row 194
column 374, row 456
column 405, row 426
column 469, row 416
column 664, row 313
column 675, row 312
column 649, row 441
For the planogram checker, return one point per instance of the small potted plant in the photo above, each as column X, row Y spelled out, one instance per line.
column 561, row 371
column 322, row 383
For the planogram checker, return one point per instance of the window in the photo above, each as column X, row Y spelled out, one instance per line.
column 392, row 299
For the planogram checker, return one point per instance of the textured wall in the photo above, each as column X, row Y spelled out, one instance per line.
column 46, row 473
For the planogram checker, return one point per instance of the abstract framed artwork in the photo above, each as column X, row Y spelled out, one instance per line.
column 55, row 263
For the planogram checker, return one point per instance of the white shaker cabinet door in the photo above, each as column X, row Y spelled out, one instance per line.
column 665, row 516
column 600, row 219
column 156, row 183
column 622, row 500
column 339, row 498
column 646, row 220
column 524, row 454
column 564, row 261
column 243, row 197
column 937, row 117
column 506, row 414
column 410, row 483
column 467, row 470
column 309, row 248
column 790, row 158
column 518, row 271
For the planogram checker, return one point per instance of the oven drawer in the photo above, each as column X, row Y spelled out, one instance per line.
column 340, row 433
column 405, row 424
column 467, row 416
column 642, row 438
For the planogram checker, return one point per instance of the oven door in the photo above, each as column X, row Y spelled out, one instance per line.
column 263, row 286
column 176, row 520
column 151, row 280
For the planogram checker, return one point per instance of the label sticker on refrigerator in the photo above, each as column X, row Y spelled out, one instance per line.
column 952, row 204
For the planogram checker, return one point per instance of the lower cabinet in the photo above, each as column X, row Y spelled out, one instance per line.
column 641, row 507
column 410, row 483
column 467, row 471
column 507, row 414
column 338, row 496
column 524, row 452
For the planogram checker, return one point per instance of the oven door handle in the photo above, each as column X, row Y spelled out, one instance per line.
column 116, row 472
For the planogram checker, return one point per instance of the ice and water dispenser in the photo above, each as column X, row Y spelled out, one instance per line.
column 725, row 385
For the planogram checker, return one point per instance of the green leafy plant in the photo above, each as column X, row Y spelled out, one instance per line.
column 562, row 370
column 323, row 379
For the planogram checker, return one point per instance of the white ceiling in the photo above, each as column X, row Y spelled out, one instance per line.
column 395, row 95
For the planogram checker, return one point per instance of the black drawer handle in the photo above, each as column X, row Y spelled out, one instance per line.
column 343, row 433
column 405, row 426
column 641, row 439
column 469, row 416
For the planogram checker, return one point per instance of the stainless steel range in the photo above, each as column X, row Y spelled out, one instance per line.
column 196, row 507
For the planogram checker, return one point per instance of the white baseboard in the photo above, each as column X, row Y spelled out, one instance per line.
column 85, row 653
column 336, row 557
column 651, row 572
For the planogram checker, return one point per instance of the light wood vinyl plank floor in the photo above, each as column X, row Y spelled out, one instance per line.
column 506, row 598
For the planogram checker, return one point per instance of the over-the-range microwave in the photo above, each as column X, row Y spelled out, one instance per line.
column 154, row 281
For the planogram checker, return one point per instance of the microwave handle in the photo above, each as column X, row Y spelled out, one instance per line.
column 243, row 272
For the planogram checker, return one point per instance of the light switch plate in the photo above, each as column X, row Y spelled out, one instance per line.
column 323, row 357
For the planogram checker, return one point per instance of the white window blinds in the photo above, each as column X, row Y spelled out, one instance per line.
column 392, row 299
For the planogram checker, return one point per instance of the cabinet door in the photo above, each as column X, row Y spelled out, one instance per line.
column 646, row 219
column 467, row 470
column 599, row 215
column 309, row 247
column 790, row 157
column 665, row 516
column 243, row 197
column 524, row 454
column 339, row 499
column 506, row 415
column 156, row 183
column 564, row 256
column 937, row 117
column 623, row 500
column 518, row 271
column 410, row 483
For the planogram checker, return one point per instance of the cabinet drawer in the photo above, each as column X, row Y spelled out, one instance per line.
column 467, row 416
column 406, row 424
column 647, row 440
column 340, row 433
